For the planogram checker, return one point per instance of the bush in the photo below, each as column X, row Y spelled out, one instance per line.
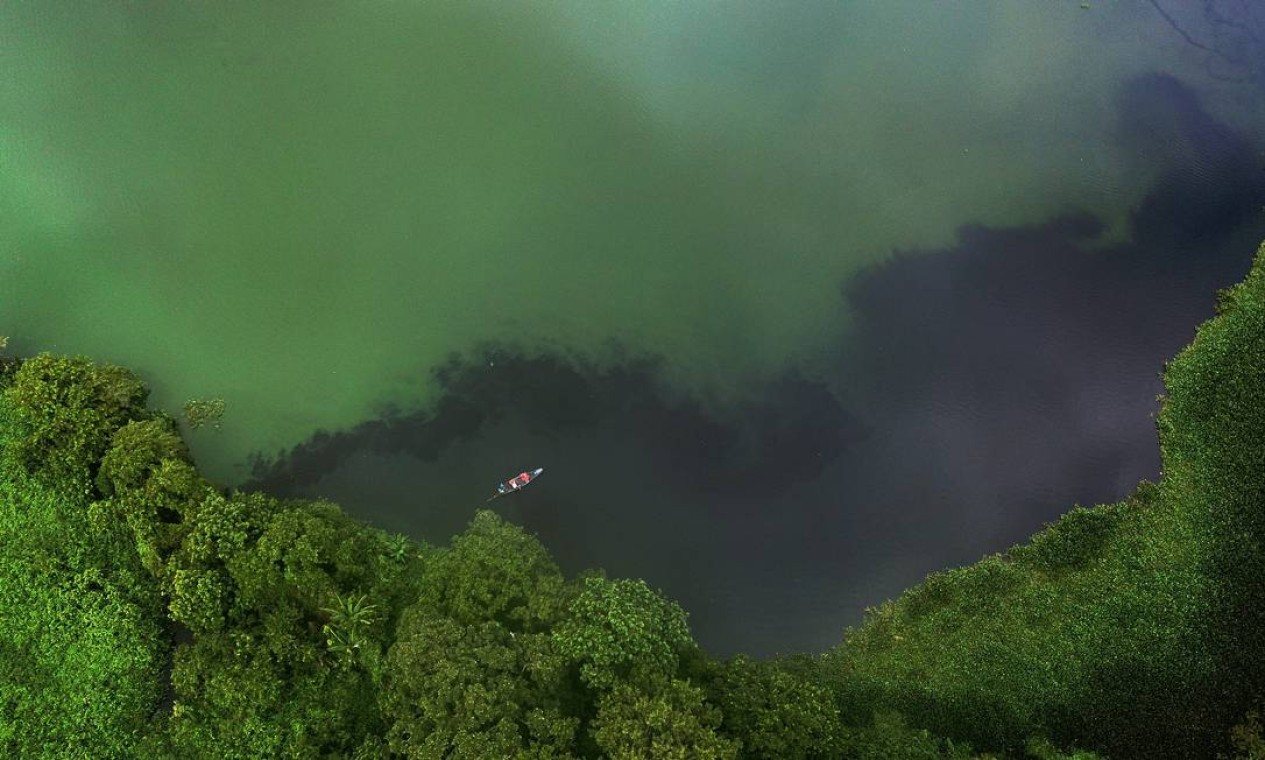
column 775, row 714
column 890, row 736
column 136, row 450
column 495, row 571
column 66, row 411
column 1073, row 540
column 623, row 631
column 81, row 647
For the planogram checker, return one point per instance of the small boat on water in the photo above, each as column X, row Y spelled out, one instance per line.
column 516, row 483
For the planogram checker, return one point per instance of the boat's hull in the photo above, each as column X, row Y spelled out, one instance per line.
column 514, row 484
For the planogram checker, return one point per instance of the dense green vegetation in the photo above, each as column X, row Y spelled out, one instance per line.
column 147, row 613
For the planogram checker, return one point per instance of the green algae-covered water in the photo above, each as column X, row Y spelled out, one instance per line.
column 305, row 208
column 301, row 208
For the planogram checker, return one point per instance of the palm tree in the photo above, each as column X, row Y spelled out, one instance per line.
column 349, row 617
column 395, row 548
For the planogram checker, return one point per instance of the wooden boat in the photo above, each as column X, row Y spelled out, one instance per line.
column 516, row 483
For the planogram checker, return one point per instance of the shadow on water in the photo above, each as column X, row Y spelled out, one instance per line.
column 788, row 436
column 981, row 390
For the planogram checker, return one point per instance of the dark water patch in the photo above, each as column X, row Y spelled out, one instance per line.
column 788, row 434
column 1214, row 181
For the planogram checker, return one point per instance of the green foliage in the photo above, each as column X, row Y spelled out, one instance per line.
column 1248, row 741
column 459, row 691
column 208, row 411
column 395, row 549
column 774, row 713
column 1040, row 748
column 495, row 572
column 890, row 736
column 8, row 364
column 149, row 482
column 301, row 557
column 288, row 654
column 291, row 557
column 670, row 720
column 197, row 580
column 199, row 598
column 80, row 658
column 136, row 451
column 623, row 631
column 81, row 648
column 980, row 584
column 234, row 699
column 1074, row 540
column 349, row 620
column 66, row 411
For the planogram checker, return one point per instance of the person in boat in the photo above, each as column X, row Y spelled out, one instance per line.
column 516, row 483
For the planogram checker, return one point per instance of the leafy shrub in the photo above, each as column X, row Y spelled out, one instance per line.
column 469, row 692
column 775, row 714
column 1073, row 540
column 890, row 736
column 81, row 645
column 1247, row 738
column 136, row 450
column 670, row 720
column 1040, row 748
column 199, row 412
column 495, row 572
column 622, row 631
column 67, row 409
